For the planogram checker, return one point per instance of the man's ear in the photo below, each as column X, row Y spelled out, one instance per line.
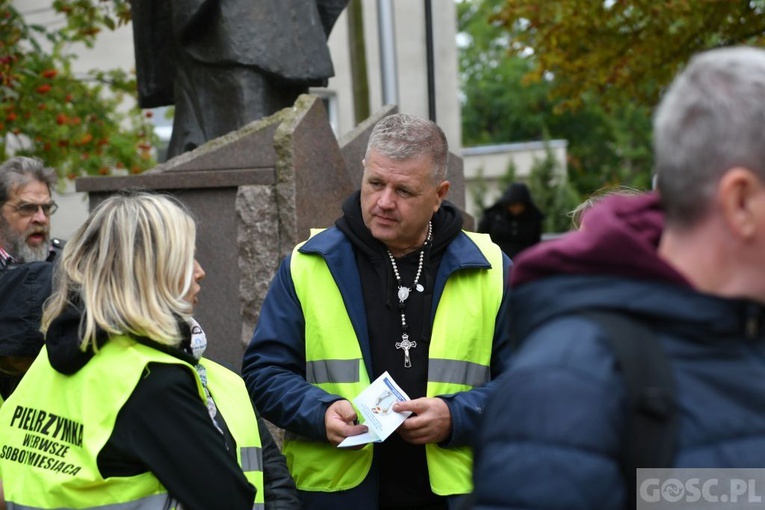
column 740, row 195
column 441, row 190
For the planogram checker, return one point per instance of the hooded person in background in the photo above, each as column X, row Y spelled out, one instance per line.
column 514, row 222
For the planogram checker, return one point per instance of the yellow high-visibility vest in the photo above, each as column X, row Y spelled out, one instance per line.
column 53, row 426
column 459, row 359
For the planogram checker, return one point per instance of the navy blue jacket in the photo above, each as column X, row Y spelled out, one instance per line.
column 551, row 432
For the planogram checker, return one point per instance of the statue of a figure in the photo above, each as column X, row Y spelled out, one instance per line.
column 225, row 63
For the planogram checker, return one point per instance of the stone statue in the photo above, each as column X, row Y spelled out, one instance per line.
column 225, row 63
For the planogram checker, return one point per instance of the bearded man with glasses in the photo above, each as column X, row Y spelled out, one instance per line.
column 26, row 256
column 25, row 195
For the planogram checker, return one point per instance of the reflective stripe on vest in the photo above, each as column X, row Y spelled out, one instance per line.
column 332, row 371
column 156, row 502
column 458, row 361
column 233, row 402
column 442, row 370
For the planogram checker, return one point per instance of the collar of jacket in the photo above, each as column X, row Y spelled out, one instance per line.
column 332, row 245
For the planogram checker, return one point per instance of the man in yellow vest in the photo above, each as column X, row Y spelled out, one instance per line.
column 395, row 285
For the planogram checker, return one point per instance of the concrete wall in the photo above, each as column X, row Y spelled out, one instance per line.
column 411, row 60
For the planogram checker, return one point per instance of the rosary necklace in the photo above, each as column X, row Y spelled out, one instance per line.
column 403, row 294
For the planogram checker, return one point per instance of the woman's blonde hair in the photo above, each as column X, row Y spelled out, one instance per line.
column 129, row 265
column 598, row 196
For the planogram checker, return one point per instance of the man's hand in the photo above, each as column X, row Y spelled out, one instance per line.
column 339, row 421
column 430, row 422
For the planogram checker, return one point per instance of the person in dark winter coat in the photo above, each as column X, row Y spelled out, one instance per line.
column 514, row 222
column 688, row 262
column 23, row 290
column 25, row 244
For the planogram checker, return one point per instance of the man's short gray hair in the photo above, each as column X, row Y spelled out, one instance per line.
column 711, row 119
column 403, row 136
column 21, row 170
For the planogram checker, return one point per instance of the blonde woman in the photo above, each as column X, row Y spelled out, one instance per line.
column 115, row 410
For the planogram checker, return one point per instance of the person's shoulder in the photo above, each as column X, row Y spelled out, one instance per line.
column 474, row 249
column 36, row 275
column 570, row 343
column 165, row 378
column 163, row 389
column 323, row 242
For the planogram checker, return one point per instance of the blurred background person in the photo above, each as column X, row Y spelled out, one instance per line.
column 514, row 222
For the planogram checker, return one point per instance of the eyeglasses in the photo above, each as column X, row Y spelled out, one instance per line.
column 28, row 209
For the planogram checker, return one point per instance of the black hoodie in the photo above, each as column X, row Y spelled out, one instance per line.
column 402, row 466
column 513, row 233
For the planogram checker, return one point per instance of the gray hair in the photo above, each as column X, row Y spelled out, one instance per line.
column 403, row 136
column 711, row 119
column 19, row 171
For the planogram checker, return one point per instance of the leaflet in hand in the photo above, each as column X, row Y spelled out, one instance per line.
column 375, row 404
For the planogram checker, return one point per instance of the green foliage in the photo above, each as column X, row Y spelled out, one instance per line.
column 500, row 105
column 84, row 18
column 606, row 148
column 552, row 192
column 625, row 52
column 77, row 125
column 497, row 107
